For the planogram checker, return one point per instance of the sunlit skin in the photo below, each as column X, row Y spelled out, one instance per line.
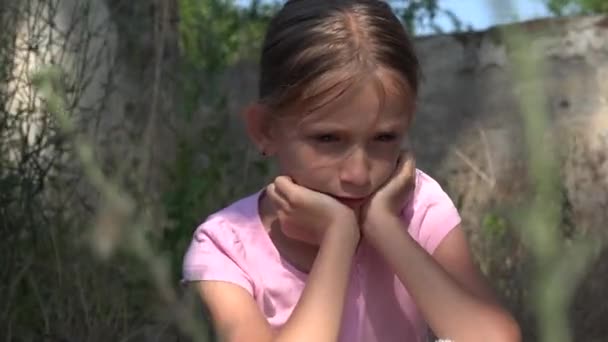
column 348, row 148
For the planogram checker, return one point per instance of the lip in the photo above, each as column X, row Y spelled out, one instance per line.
column 350, row 201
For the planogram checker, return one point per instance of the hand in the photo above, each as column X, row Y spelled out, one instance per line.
column 306, row 214
column 387, row 202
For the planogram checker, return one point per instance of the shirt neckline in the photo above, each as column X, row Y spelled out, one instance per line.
column 268, row 241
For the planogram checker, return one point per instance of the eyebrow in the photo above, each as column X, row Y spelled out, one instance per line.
column 393, row 125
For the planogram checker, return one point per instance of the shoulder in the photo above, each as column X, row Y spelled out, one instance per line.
column 431, row 213
column 233, row 220
column 217, row 251
column 428, row 191
column 225, row 233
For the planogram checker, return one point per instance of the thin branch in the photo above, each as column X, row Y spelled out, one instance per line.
column 486, row 148
column 474, row 167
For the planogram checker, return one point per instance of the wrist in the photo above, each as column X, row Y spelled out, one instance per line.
column 379, row 220
column 377, row 229
column 345, row 230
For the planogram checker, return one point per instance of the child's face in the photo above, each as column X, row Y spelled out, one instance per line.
column 348, row 148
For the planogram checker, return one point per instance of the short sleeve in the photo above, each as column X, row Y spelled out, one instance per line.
column 213, row 255
column 437, row 214
column 439, row 219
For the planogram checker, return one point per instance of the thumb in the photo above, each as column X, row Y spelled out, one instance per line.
column 406, row 167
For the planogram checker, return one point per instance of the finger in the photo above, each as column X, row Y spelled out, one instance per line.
column 407, row 160
column 286, row 188
column 275, row 198
column 407, row 166
column 296, row 195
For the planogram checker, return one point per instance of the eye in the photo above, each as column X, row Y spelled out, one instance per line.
column 386, row 137
column 325, row 138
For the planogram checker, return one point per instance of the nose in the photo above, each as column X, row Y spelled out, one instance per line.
column 354, row 172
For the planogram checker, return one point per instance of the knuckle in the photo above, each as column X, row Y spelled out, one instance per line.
column 281, row 180
column 271, row 192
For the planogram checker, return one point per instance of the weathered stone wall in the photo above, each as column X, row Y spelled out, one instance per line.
column 470, row 135
column 469, row 131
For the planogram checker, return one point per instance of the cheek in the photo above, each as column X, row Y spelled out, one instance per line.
column 306, row 170
column 382, row 171
column 298, row 163
column 293, row 158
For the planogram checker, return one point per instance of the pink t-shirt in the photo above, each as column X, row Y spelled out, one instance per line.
column 233, row 246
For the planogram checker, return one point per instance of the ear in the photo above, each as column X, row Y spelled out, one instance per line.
column 258, row 123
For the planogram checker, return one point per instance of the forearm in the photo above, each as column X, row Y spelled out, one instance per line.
column 318, row 314
column 451, row 311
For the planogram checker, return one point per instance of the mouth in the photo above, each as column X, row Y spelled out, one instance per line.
column 351, row 202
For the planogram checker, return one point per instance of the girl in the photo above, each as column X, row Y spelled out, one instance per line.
column 350, row 242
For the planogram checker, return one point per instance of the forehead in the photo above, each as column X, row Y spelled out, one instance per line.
column 378, row 99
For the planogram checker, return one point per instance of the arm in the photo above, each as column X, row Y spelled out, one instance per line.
column 447, row 288
column 317, row 315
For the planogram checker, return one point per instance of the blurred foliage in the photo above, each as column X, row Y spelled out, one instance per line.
column 421, row 16
column 49, row 281
column 560, row 260
column 206, row 174
column 564, row 7
column 215, row 34
column 494, row 225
